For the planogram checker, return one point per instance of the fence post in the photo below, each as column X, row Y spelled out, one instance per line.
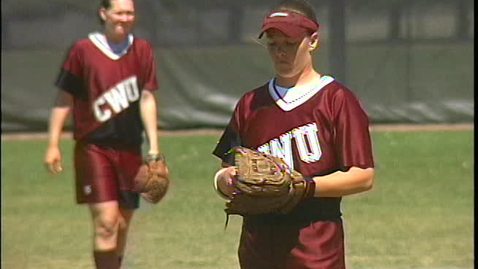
column 236, row 17
column 462, row 20
column 338, row 52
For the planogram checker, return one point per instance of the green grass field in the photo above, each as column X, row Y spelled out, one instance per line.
column 419, row 214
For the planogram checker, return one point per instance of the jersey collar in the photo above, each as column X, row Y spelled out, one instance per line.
column 288, row 99
column 99, row 40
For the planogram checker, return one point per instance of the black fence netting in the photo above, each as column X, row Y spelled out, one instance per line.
column 408, row 61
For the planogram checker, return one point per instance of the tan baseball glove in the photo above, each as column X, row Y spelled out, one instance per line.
column 152, row 180
column 265, row 184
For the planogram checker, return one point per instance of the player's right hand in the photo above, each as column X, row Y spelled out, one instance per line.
column 225, row 181
column 53, row 160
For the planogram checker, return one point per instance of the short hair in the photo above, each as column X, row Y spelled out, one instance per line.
column 300, row 6
column 104, row 4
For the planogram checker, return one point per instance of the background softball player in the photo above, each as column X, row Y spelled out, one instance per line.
column 106, row 82
column 319, row 128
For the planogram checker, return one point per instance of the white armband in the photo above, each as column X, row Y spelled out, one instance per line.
column 216, row 177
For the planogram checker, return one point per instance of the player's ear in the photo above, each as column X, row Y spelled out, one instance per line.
column 314, row 41
column 102, row 13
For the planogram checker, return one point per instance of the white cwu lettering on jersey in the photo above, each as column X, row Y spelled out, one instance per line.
column 118, row 99
column 306, row 140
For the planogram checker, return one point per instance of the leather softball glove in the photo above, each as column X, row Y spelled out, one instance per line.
column 152, row 180
column 265, row 184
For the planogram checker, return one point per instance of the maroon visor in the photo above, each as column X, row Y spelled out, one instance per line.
column 292, row 24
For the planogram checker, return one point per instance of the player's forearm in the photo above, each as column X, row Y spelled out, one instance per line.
column 339, row 184
column 64, row 102
column 150, row 120
column 58, row 117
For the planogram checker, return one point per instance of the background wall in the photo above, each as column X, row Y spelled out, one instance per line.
column 408, row 61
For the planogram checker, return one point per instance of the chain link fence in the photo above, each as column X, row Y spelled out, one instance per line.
column 408, row 61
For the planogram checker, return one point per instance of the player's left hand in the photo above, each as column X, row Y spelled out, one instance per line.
column 152, row 180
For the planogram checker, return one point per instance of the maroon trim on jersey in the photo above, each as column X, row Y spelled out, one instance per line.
column 292, row 24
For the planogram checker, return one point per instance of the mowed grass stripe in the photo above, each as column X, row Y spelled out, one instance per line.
column 419, row 214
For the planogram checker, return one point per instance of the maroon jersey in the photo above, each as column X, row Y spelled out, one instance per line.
column 107, row 89
column 327, row 131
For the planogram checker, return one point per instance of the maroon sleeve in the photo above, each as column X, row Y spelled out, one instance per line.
column 352, row 135
column 149, row 69
column 231, row 136
column 70, row 77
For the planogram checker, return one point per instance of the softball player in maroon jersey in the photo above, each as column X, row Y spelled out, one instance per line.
column 319, row 128
column 106, row 82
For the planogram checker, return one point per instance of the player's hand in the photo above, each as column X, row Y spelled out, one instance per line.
column 53, row 160
column 225, row 180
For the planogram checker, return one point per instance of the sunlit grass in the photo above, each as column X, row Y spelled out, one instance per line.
column 419, row 214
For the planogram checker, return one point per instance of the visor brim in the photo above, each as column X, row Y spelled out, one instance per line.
column 289, row 30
